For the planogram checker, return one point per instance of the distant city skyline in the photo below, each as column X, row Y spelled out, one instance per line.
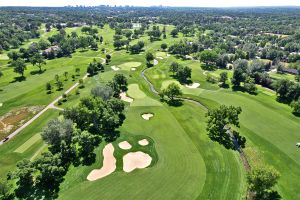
column 181, row 3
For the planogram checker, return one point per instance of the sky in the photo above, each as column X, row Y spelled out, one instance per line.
column 189, row 3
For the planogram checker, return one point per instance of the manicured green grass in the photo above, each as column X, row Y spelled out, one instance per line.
column 135, row 92
column 129, row 65
column 178, row 162
column 186, row 163
column 267, row 124
column 3, row 57
column 9, row 157
column 28, row 143
column 276, row 75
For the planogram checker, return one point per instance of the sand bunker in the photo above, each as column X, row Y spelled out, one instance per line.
column 115, row 68
column 136, row 160
column 109, row 164
column 168, row 55
column 155, row 62
column 124, row 145
column 143, row 142
column 133, row 68
column 194, row 85
column 147, row 116
column 161, row 58
column 1, row 104
column 124, row 97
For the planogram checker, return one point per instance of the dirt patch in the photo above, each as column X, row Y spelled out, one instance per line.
column 193, row 86
column 109, row 164
column 136, row 160
column 125, row 98
column 143, row 142
column 147, row 116
column 124, row 145
column 16, row 118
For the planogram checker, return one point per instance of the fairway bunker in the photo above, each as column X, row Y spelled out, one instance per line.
column 136, row 160
column 147, row 116
column 124, row 145
column 143, row 142
column 133, row 68
column 115, row 68
column 125, row 98
column 109, row 164
column 161, row 58
column 193, row 86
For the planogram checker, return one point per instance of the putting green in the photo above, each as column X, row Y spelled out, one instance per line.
column 161, row 54
column 28, row 143
column 3, row 57
column 129, row 65
column 140, row 98
column 135, row 92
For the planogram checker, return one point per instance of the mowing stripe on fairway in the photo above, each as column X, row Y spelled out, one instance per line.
column 28, row 143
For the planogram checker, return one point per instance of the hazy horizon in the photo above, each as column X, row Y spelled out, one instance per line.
column 174, row 3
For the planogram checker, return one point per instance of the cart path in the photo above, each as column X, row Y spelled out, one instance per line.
column 49, row 106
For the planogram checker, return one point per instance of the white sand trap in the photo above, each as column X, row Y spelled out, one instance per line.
column 168, row 55
column 193, row 86
column 147, row 116
column 109, row 164
column 136, row 160
column 115, row 68
column 155, row 62
column 133, row 68
column 124, row 145
column 124, row 97
column 1, row 104
column 143, row 142
column 161, row 58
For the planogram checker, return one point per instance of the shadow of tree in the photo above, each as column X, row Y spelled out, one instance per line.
column 37, row 72
column 18, row 79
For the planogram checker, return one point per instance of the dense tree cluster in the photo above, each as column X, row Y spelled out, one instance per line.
column 182, row 74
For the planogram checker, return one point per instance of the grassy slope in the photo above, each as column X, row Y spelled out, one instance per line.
column 268, row 125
